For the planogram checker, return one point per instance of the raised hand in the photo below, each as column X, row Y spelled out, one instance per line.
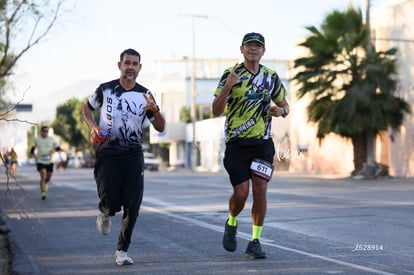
column 151, row 106
column 233, row 76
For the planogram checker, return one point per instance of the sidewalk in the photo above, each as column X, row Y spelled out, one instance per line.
column 5, row 253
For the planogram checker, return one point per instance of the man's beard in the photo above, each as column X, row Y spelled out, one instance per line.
column 128, row 76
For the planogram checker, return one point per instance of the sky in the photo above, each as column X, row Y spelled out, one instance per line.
column 82, row 49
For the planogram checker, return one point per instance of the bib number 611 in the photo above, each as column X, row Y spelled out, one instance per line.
column 262, row 168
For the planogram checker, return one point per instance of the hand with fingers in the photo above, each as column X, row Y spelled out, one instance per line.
column 277, row 111
column 97, row 135
column 233, row 76
column 151, row 105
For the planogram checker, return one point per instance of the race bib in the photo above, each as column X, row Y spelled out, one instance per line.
column 45, row 157
column 262, row 168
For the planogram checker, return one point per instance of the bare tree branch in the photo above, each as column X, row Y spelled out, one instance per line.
column 9, row 60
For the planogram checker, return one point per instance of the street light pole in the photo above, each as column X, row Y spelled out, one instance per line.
column 194, row 90
column 370, row 135
column 193, row 99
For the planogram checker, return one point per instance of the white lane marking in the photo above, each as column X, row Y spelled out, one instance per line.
column 248, row 236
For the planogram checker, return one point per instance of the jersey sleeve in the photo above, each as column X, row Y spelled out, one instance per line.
column 96, row 99
column 279, row 91
column 222, row 81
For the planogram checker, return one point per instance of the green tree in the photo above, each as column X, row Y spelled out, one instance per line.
column 202, row 112
column 65, row 124
column 70, row 126
column 81, row 125
column 185, row 115
column 350, row 92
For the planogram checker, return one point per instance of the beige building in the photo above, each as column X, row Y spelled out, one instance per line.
column 391, row 26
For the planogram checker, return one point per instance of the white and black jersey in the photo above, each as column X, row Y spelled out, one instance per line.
column 121, row 114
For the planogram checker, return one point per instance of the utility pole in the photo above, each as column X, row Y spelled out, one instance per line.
column 368, row 26
column 193, row 98
column 370, row 135
column 194, row 89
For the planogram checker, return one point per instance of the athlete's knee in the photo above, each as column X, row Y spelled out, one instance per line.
column 241, row 192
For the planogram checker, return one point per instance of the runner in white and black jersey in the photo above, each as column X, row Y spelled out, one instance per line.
column 119, row 169
column 247, row 91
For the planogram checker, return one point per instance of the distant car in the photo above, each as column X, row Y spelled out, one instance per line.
column 88, row 163
column 150, row 162
column 80, row 162
column 74, row 162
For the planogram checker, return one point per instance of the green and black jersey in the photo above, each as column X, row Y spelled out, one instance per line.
column 248, row 103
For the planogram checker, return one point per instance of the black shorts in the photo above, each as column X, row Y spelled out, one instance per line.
column 120, row 182
column 48, row 167
column 238, row 158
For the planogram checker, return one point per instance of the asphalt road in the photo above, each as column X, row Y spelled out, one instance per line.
column 313, row 226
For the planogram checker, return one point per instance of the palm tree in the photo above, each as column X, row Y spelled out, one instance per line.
column 351, row 93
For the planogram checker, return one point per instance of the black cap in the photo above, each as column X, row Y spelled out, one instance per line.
column 253, row 36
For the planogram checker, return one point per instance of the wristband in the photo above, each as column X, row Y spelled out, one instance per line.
column 157, row 110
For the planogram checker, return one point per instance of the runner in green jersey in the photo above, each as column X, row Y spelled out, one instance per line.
column 247, row 91
column 43, row 151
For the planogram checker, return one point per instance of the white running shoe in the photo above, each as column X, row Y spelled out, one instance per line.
column 122, row 258
column 103, row 223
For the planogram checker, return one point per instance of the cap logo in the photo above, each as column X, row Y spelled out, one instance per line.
column 253, row 36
